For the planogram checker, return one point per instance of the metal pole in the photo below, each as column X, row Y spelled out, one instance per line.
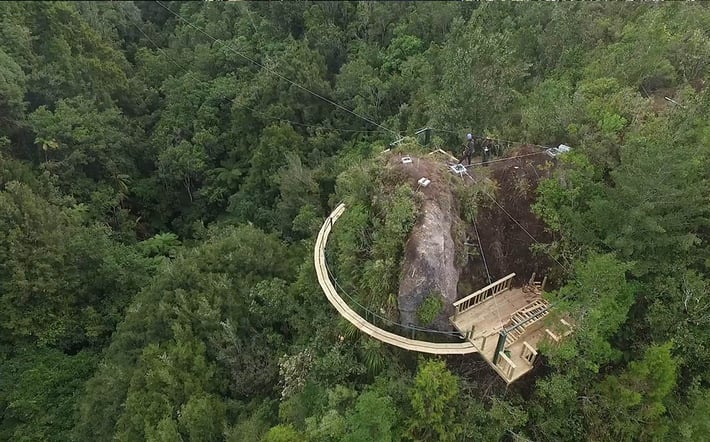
column 499, row 346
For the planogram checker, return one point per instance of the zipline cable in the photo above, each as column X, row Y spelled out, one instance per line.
column 485, row 264
column 520, row 225
column 233, row 100
column 483, row 256
column 480, row 247
column 505, row 159
column 492, row 138
column 327, row 100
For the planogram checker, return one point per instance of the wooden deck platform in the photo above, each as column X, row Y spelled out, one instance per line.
column 490, row 316
column 495, row 308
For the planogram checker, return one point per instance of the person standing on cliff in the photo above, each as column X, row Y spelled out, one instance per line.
column 487, row 147
column 469, row 151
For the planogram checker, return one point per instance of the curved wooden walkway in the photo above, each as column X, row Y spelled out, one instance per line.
column 357, row 320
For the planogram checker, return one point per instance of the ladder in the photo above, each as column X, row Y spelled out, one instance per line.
column 531, row 313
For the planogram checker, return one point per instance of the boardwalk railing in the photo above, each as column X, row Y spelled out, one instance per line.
column 506, row 365
column 481, row 295
column 358, row 321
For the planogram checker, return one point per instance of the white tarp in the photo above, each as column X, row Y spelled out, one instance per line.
column 554, row 151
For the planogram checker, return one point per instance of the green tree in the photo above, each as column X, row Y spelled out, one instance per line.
column 38, row 391
column 282, row 433
column 258, row 195
column 68, row 57
column 599, row 299
column 202, row 418
column 502, row 419
column 372, row 419
column 85, row 146
column 175, row 344
column 477, row 67
column 12, row 91
column 689, row 417
column 632, row 403
column 299, row 193
column 64, row 281
column 432, row 395
column 185, row 164
column 679, row 313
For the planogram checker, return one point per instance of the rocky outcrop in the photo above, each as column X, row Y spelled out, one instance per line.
column 429, row 262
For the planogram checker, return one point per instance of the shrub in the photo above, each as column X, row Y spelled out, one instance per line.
column 430, row 309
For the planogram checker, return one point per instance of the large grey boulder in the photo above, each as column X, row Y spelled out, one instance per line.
column 429, row 266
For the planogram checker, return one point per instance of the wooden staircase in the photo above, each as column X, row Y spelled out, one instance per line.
column 531, row 313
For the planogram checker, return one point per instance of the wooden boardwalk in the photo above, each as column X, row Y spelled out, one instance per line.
column 357, row 320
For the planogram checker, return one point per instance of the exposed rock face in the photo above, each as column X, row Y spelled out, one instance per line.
column 429, row 262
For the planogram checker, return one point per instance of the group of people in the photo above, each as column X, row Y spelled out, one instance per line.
column 473, row 145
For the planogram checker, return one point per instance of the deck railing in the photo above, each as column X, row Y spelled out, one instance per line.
column 481, row 295
column 506, row 365
column 529, row 353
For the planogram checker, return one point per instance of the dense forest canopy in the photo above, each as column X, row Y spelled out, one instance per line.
column 165, row 166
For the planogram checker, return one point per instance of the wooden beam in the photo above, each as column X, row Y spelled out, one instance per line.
column 528, row 353
column 553, row 336
column 489, row 286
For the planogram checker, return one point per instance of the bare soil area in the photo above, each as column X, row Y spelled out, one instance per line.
column 505, row 243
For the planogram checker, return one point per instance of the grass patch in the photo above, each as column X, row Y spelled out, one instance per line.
column 430, row 309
